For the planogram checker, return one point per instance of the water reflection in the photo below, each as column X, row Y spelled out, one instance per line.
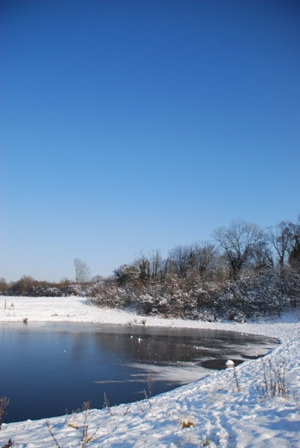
column 48, row 368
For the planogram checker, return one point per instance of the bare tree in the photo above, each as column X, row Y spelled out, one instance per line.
column 82, row 271
column 294, row 256
column 194, row 258
column 149, row 266
column 282, row 237
column 180, row 259
column 262, row 258
column 156, row 263
column 142, row 263
column 239, row 242
column 205, row 258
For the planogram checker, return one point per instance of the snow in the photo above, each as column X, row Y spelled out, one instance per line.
column 224, row 409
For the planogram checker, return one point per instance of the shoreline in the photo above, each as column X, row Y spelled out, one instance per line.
column 226, row 415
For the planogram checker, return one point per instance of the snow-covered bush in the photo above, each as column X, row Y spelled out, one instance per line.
column 253, row 296
column 175, row 296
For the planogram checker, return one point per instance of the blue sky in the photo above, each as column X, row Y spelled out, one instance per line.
column 130, row 126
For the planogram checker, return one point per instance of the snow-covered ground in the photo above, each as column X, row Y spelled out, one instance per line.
column 224, row 409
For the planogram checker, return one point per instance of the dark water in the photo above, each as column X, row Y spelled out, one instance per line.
column 48, row 369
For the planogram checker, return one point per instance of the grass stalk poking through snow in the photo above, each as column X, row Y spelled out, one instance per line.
column 106, row 404
column 52, row 435
column 86, row 438
column 236, row 379
column 273, row 382
column 148, row 394
column 3, row 405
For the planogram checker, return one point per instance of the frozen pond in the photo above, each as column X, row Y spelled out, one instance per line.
column 49, row 369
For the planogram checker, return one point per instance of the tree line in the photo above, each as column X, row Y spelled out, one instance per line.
column 238, row 250
column 244, row 271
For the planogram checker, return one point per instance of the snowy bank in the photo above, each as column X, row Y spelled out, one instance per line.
column 224, row 409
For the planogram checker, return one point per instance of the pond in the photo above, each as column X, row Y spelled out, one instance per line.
column 49, row 369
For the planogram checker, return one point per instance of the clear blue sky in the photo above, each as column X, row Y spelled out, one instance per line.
column 134, row 125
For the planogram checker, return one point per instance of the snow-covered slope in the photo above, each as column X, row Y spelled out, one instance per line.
column 225, row 409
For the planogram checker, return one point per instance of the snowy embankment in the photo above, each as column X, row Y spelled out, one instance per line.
column 224, row 409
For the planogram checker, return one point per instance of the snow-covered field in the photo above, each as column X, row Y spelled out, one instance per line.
column 224, row 409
